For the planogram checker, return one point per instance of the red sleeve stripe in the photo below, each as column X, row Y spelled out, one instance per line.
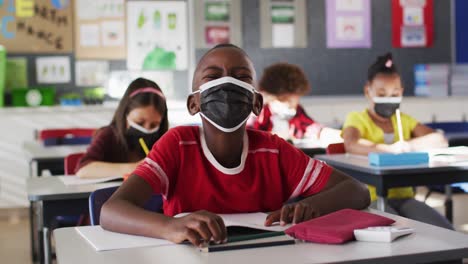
column 300, row 186
column 158, row 172
column 315, row 173
column 322, row 180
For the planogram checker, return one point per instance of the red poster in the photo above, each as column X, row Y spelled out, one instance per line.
column 412, row 23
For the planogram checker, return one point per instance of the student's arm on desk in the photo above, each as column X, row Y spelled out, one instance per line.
column 340, row 192
column 357, row 145
column 124, row 213
column 100, row 169
column 424, row 137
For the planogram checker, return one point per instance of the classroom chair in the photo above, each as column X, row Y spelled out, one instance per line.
column 336, row 148
column 99, row 197
column 66, row 136
column 71, row 162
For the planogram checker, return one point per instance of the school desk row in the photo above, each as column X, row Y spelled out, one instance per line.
column 49, row 197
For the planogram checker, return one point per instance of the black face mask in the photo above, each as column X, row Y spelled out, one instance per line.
column 226, row 103
column 386, row 110
column 134, row 133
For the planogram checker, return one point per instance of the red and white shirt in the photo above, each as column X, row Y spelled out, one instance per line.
column 181, row 167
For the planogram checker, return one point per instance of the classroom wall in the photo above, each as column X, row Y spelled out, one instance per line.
column 343, row 71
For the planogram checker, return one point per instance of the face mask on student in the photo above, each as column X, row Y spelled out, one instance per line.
column 386, row 106
column 135, row 132
column 282, row 110
column 226, row 103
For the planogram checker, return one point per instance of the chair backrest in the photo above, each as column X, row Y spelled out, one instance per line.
column 99, row 197
column 450, row 127
column 71, row 162
column 336, row 148
column 67, row 136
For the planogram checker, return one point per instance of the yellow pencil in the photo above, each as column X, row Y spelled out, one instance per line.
column 144, row 146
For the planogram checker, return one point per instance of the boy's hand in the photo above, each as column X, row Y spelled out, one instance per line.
column 197, row 227
column 292, row 213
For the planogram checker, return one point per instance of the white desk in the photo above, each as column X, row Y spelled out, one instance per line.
column 48, row 157
column 427, row 244
column 386, row 177
column 49, row 198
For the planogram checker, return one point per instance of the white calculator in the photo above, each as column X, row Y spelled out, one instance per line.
column 381, row 233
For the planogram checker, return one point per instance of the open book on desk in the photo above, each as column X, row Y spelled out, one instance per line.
column 75, row 180
column 241, row 227
column 449, row 155
column 249, row 231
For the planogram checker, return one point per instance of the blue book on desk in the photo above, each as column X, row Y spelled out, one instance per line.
column 408, row 158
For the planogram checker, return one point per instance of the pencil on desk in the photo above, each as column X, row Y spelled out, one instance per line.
column 246, row 246
column 144, row 146
column 399, row 126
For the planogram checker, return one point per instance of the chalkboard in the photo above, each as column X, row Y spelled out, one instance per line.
column 343, row 71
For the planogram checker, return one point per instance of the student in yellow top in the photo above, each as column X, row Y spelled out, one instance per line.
column 375, row 130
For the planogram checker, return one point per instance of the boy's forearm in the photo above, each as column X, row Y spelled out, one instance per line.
column 346, row 194
column 124, row 217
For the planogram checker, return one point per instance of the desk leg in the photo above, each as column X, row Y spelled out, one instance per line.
column 381, row 203
column 47, row 245
column 448, row 203
column 33, row 232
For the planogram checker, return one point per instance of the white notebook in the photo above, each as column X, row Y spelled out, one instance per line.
column 75, row 180
column 251, row 220
column 102, row 240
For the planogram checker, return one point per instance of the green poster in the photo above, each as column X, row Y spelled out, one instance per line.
column 16, row 73
column 282, row 14
column 217, row 11
column 2, row 72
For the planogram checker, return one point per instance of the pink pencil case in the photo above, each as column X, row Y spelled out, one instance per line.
column 337, row 227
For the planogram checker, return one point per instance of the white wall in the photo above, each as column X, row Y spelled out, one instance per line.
column 18, row 124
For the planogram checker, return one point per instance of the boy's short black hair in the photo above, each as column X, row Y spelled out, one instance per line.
column 284, row 78
column 225, row 45
column 383, row 65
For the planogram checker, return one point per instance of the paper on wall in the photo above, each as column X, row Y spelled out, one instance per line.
column 349, row 28
column 413, row 16
column 24, row 8
column 283, row 35
column 349, row 5
column 54, row 69
column 157, row 36
column 112, row 33
column 91, row 73
column 89, row 35
column 118, row 81
column 112, row 8
column 87, row 9
column 413, row 36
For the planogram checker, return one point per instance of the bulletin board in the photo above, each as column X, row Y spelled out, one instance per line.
column 100, row 29
column 40, row 26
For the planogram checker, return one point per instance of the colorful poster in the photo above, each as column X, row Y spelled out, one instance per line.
column 217, row 20
column 412, row 23
column 215, row 35
column 282, row 20
column 157, row 35
column 91, row 73
column 16, row 73
column 54, row 69
column 348, row 23
column 217, row 11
